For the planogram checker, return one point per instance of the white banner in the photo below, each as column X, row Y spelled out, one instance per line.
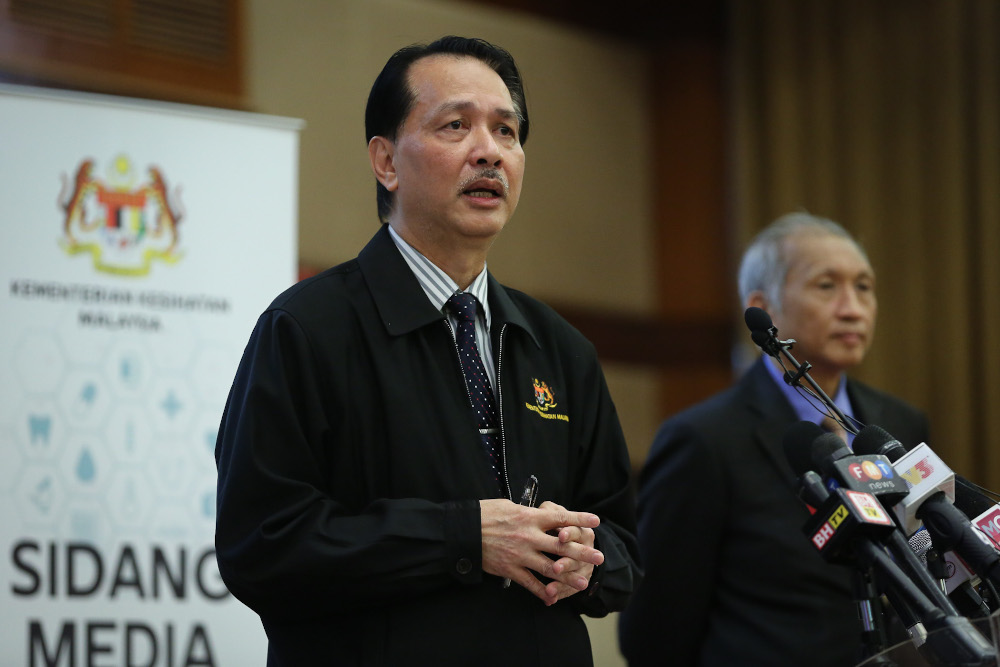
column 138, row 243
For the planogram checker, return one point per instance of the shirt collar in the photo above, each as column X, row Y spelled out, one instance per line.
column 438, row 285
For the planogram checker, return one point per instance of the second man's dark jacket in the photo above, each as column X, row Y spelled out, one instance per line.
column 730, row 577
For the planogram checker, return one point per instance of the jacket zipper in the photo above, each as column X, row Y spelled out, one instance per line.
column 503, row 440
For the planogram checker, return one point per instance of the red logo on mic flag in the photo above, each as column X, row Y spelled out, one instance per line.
column 989, row 523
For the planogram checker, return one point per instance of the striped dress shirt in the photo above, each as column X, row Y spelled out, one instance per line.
column 438, row 286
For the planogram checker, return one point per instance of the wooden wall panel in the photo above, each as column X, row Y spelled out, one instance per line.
column 177, row 50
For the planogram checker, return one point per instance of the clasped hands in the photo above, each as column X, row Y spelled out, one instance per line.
column 516, row 540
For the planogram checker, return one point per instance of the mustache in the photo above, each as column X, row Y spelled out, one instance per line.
column 491, row 173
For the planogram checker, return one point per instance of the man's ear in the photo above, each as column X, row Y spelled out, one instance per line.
column 756, row 299
column 380, row 154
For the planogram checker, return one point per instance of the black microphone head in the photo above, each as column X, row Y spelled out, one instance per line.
column 762, row 339
column 798, row 445
column 826, row 449
column 757, row 319
column 812, row 490
column 873, row 439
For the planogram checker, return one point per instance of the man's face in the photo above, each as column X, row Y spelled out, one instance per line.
column 829, row 303
column 457, row 160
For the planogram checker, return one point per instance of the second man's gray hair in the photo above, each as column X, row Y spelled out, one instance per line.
column 765, row 265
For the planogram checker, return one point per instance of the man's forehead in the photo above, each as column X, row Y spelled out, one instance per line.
column 435, row 71
column 819, row 253
column 463, row 105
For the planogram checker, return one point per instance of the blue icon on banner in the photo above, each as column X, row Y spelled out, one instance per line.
column 130, row 372
column 86, row 399
column 171, row 406
column 40, row 429
column 85, row 469
column 126, row 370
column 41, row 495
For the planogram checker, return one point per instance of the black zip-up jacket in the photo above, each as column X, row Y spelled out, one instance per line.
column 350, row 474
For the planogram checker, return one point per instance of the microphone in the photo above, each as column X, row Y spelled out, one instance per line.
column 797, row 444
column 841, row 514
column 929, row 479
column 958, row 581
column 944, row 565
column 757, row 319
column 866, row 473
column 928, row 501
column 872, row 475
column 765, row 335
column 762, row 330
column 874, row 439
column 815, row 494
column 984, row 513
column 947, row 567
column 843, row 527
column 924, row 471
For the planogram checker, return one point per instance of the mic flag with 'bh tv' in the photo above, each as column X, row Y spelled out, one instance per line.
column 140, row 242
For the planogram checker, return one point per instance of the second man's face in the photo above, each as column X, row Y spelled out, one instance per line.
column 458, row 156
column 829, row 303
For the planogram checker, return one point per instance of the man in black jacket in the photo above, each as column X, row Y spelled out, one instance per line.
column 367, row 511
column 730, row 577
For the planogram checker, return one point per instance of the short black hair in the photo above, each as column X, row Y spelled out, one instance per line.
column 391, row 99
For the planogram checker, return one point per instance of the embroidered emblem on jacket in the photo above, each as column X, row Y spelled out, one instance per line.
column 545, row 400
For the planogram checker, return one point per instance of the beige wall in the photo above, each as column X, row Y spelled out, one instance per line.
column 583, row 232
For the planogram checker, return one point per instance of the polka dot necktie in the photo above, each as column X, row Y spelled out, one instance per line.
column 464, row 306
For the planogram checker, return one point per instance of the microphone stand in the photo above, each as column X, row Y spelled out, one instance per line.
column 870, row 612
column 767, row 340
column 957, row 642
column 873, row 636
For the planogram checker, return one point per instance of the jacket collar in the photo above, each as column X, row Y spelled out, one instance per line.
column 774, row 413
column 401, row 302
column 868, row 409
column 505, row 311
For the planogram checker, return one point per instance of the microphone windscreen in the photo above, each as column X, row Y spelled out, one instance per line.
column 798, row 445
column 874, row 439
column 826, row 449
column 757, row 319
column 920, row 543
column 760, row 338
